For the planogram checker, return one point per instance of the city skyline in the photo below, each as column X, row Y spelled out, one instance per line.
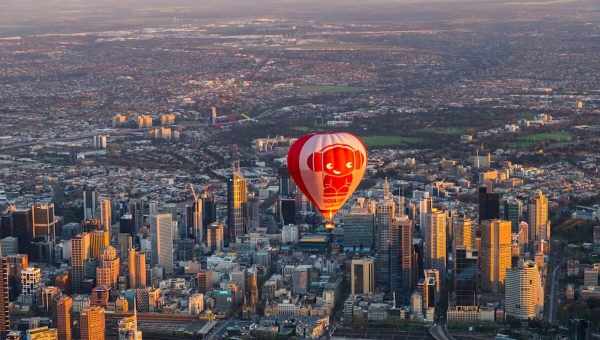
column 299, row 169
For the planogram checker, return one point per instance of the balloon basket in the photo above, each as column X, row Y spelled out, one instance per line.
column 329, row 225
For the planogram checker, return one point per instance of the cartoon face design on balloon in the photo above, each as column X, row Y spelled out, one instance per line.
column 338, row 162
column 327, row 167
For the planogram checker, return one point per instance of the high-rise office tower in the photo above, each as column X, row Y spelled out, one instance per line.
column 384, row 215
column 496, row 241
column 106, row 218
column 287, row 187
column 539, row 224
column 214, row 237
column 432, row 277
column 92, row 323
column 98, row 242
column 463, row 232
column 22, row 228
column 100, row 142
column 204, row 279
column 195, row 219
column 4, row 296
column 425, row 207
column 435, row 240
column 524, row 295
column 44, row 224
column 489, row 204
column 31, row 279
column 209, row 209
column 127, row 225
column 513, row 212
column 196, row 304
column 237, row 198
column 400, row 257
column 251, row 286
column 252, row 213
column 363, row 276
column 80, row 251
column 128, row 329
column 125, row 243
column 137, row 269
column 359, row 229
column 90, row 198
column 41, row 333
column 428, row 290
column 49, row 298
column 465, row 276
column 63, row 317
column 286, row 210
column 99, row 296
column 161, row 228
column 107, row 272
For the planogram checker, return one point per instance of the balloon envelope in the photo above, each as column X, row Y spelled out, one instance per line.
column 327, row 168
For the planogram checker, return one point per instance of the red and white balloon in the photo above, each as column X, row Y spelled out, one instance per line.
column 327, row 168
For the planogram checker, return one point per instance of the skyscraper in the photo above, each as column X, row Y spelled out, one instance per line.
column 214, row 237
column 400, row 257
column 435, row 240
column 4, row 297
column 209, row 209
column 42, row 333
column 22, row 225
column 98, row 242
column 489, row 204
column 195, row 219
column 425, row 206
column 107, row 272
column 237, row 198
column 127, row 225
column 251, row 278
column 465, row 276
column 513, row 212
column 80, row 251
column 524, row 296
column 432, row 278
column 31, row 279
column 106, row 218
column 92, row 323
column 495, row 254
column 384, row 215
column 44, row 225
column 359, row 229
column 286, row 210
column 63, row 317
column 463, row 233
column 137, row 269
column 539, row 224
column 287, row 187
column 90, row 198
column 363, row 276
column 128, row 329
column 161, row 228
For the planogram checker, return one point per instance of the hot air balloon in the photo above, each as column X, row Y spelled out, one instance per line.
column 327, row 168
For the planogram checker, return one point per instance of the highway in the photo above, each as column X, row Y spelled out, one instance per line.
column 440, row 333
column 553, row 294
column 86, row 135
column 216, row 333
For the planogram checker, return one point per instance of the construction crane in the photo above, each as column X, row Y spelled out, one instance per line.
column 191, row 187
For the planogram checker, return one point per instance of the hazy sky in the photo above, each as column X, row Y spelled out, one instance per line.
column 28, row 16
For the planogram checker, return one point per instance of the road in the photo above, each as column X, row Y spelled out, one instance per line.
column 85, row 135
column 217, row 332
column 553, row 294
column 379, row 333
column 439, row 332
